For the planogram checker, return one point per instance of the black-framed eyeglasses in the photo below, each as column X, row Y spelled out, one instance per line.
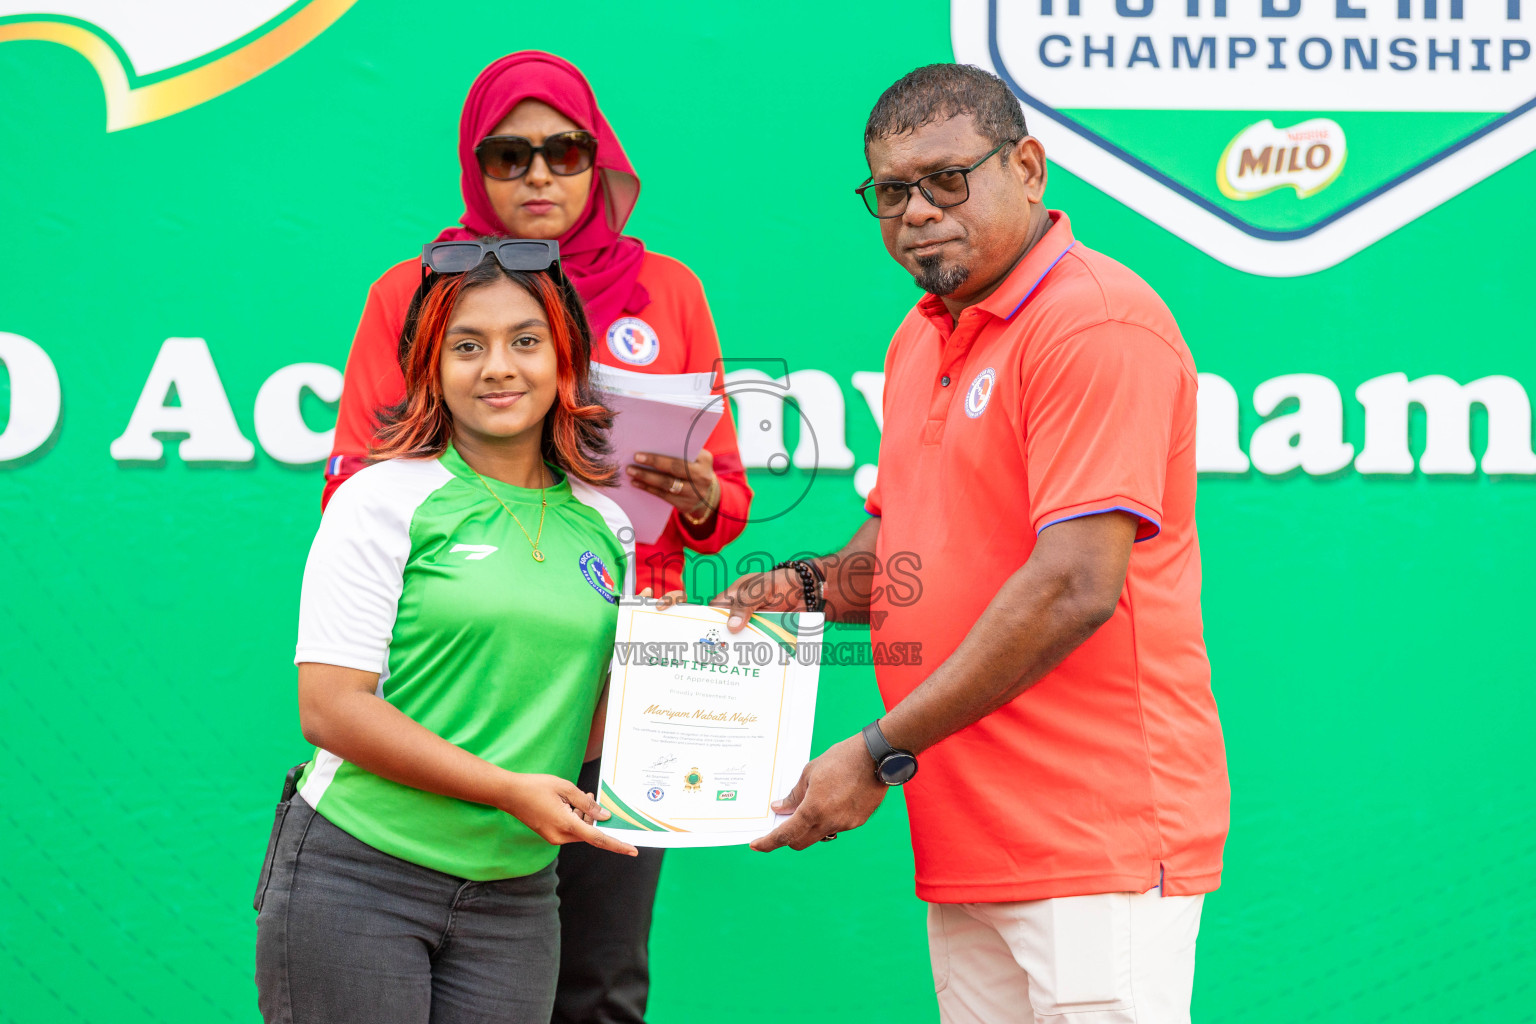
column 943, row 189
column 508, row 157
column 526, row 254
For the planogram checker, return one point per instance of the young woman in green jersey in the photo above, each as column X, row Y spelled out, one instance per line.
column 456, row 620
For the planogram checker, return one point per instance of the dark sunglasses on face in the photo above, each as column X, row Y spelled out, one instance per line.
column 508, row 157
column 526, row 254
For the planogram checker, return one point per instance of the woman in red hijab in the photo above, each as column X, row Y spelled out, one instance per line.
column 539, row 160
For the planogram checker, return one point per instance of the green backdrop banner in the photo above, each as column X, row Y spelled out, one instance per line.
column 192, row 212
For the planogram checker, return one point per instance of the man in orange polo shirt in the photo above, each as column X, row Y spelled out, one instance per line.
column 1038, row 460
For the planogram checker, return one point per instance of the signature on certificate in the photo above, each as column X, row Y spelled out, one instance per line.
column 662, row 762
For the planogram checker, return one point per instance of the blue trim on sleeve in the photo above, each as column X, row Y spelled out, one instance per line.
column 1157, row 527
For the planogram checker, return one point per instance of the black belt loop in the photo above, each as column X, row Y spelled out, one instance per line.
column 291, row 783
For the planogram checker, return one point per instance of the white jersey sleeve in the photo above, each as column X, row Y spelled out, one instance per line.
column 356, row 567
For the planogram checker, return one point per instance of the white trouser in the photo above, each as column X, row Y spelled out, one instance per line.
column 1115, row 958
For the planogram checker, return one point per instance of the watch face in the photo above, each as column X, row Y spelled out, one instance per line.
column 897, row 768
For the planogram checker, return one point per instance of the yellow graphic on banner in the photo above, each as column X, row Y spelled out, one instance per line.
column 132, row 101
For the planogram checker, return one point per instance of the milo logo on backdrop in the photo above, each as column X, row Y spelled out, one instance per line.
column 1280, row 136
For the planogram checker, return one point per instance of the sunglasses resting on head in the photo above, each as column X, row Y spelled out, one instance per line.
column 525, row 254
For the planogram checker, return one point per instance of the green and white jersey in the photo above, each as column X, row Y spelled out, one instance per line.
column 418, row 574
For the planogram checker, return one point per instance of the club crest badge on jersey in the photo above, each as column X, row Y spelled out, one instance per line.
column 596, row 574
column 634, row 341
column 980, row 392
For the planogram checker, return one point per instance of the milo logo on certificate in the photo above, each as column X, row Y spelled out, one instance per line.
column 1280, row 136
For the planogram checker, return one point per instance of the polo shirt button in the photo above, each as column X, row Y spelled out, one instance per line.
column 944, row 381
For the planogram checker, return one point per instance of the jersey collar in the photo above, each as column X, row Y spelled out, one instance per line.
column 454, row 463
column 1019, row 285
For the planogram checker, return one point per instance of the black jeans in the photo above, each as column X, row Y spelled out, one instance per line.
column 347, row 933
column 605, row 923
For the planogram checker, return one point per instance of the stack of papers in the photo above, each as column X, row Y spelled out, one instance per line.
column 664, row 413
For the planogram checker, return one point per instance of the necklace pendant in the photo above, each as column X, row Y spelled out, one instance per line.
column 538, row 556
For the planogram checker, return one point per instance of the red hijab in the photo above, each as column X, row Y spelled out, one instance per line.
column 603, row 264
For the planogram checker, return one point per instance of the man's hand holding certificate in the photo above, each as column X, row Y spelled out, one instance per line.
column 705, row 728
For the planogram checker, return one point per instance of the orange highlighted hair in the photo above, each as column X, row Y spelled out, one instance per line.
column 575, row 432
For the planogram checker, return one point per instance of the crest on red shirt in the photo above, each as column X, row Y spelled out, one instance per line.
column 634, row 341
column 980, row 392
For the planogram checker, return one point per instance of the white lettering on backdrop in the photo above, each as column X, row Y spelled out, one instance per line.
column 1308, row 435
column 280, row 427
column 35, row 397
column 1311, row 438
column 204, row 414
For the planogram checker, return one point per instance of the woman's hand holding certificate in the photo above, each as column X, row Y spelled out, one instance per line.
column 705, row 728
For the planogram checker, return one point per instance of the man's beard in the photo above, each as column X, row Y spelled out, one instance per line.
column 937, row 278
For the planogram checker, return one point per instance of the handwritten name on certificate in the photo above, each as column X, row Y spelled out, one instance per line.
column 705, row 728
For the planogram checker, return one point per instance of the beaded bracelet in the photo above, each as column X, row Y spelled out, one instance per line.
column 812, row 582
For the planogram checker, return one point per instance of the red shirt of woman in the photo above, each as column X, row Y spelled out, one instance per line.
column 647, row 311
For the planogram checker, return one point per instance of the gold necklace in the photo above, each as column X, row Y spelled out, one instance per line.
column 538, row 556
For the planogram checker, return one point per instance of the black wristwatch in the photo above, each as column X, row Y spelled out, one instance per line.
column 892, row 767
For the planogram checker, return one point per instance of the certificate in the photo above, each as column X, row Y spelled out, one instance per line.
column 705, row 728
